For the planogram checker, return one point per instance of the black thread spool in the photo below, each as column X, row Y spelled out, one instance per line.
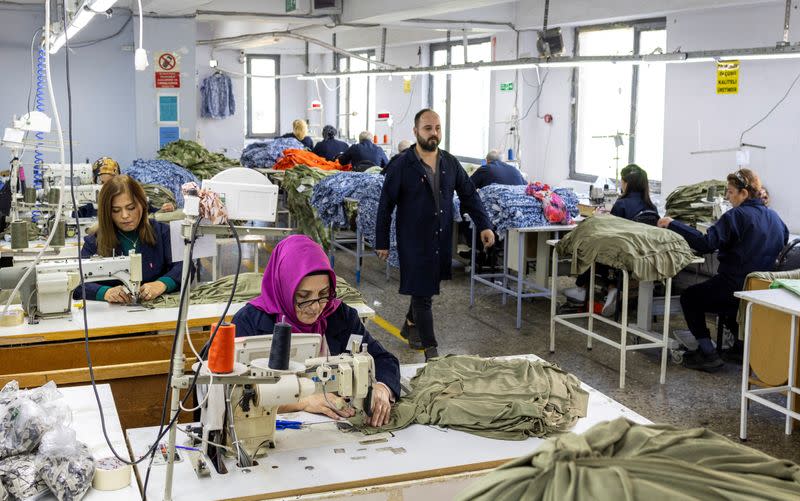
column 281, row 346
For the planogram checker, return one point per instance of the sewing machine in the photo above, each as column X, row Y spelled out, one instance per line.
column 47, row 291
column 241, row 414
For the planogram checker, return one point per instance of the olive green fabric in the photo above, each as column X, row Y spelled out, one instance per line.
column 621, row 460
column 158, row 195
column 248, row 287
column 679, row 202
column 195, row 158
column 509, row 399
column 646, row 252
column 792, row 285
column 767, row 276
column 166, row 217
column 298, row 183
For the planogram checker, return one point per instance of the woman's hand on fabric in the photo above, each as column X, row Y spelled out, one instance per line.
column 382, row 253
column 333, row 406
column 381, row 405
column 168, row 207
column 152, row 290
column 664, row 222
column 118, row 294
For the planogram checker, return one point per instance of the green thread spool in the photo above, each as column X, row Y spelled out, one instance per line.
column 19, row 235
column 58, row 238
column 52, row 196
column 30, row 195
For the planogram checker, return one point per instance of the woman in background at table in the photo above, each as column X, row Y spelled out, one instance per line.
column 748, row 237
column 633, row 204
column 299, row 286
column 123, row 226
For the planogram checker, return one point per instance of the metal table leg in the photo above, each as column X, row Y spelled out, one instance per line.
column 624, row 331
column 590, row 305
column 792, row 374
column 359, row 253
column 472, row 267
column 665, row 336
column 748, row 331
column 505, row 267
column 520, row 277
column 553, row 293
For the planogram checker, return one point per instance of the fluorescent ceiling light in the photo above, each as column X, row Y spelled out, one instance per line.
column 79, row 21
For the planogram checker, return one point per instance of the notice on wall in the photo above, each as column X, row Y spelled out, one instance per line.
column 168, row 135
column 406, row 86
column 167, row 109
column 167, row 74
column 727, row 77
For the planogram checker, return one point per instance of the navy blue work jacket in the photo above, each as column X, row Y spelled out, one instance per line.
column 156, row 260
column 424, row 236
column 250, row 321
column 748, row 237
column 497, row 172
column 362, row 153
column 330, row 149
column 631, row 205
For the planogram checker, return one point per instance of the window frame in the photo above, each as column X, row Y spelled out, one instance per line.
column 345, row 82
column 448, row 46
column 249, row 93
column 652, row 24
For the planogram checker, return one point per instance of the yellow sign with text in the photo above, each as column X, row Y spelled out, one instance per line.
column 727, row 77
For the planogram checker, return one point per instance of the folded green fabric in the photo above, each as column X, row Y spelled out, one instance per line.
column 510, row 399
column 158, row 195
column 189, row 154
column 793, row 285
column 769, row 276
column 621, row 460
column 679, row 202
column 646, row 252
column 248, row 287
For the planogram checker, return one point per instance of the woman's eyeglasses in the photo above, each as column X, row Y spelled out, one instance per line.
column 322, row 301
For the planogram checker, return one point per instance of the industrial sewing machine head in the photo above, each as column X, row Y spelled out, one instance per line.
column 47, row 291
column 243, row 415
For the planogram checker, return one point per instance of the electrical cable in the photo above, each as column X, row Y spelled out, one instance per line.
column 741, row 138
column 89, row 43
column 538, row 95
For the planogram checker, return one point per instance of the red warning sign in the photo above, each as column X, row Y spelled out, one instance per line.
column 167, row 61
column 168, row 80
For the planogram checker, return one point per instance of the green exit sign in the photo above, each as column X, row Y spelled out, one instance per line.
column 291, row 5
column 507, row 87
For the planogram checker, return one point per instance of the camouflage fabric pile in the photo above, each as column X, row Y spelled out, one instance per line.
column 197, row 159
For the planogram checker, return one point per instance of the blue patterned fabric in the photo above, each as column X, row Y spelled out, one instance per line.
column 163, row 173
column 216, row 96
column 509, row 206
column 266, row 154
column 328, row 200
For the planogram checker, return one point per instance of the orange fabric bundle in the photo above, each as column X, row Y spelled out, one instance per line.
column 293, row 157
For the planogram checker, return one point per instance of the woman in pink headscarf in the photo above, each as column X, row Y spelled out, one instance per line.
column 299, row 286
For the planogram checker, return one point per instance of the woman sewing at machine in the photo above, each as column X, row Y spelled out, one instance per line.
column 299, row 286
column 633, row 204
column 748, row 237
column 122, row 226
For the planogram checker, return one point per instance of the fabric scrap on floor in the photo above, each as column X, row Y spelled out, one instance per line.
column 646, row 252
column 508, row 399
column 622, row 460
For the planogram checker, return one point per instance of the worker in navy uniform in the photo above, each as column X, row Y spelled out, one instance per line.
column 299, row 287
column 300, row 132
column 748, row 237
column 123, row 225
column 633, row 204
column 103, row 169
column 421, row 184
column 364, row 154
column 330, row 148
column 401, row 147
column 496, row 172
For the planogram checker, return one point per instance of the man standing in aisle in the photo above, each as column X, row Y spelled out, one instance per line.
column 421, row 183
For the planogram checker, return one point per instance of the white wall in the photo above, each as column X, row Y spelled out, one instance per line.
column 101, row 78
column 697, row 118
column 224, row 135
column 165, row 35
column 390, row 96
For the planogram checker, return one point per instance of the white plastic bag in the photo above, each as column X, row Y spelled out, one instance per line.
column 21, row 479
column 66, row 465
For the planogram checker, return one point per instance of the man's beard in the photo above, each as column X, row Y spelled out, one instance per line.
column 430, row 145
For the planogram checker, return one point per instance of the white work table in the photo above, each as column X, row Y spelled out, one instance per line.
column 517, row 235
column 86, row 423
column 321, row 459
column 787, row 302
column 106, row 319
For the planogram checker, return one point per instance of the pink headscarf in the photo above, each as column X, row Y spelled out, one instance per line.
column 292, row 259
